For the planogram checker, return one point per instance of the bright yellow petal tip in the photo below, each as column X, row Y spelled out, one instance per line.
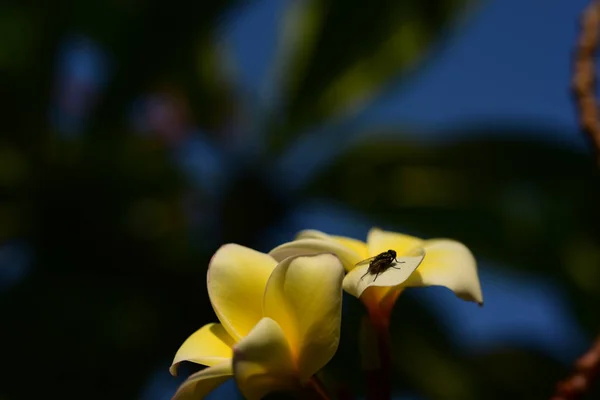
column 198, row 385
column 451, row 264
column 209, row 345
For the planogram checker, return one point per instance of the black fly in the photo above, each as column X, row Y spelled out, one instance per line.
column 380, row 263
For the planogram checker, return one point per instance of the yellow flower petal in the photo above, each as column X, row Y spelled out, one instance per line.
column 263, row 362
column 312, row 234
column 373, row 296
column 201, row 383
column 358, row 246
column 358, row 280
column 304, row 296
column 379, row 241
column 449, row 263
column 209, row 345
column 236, row 282
column 311, row 246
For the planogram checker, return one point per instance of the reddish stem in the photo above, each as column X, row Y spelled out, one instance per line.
column 587, row 368
column 584, row 74
column 379, row 379
column 584, row 89
column 317, row 386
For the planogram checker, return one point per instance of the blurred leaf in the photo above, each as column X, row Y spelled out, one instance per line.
column 170, row 47
column 14, row 180
column 106, row 198
column 431, row 365
column 524, row 203
column 425, row 359
column 104, row 305
column 18, row 29
column 339, row 54
column 149, row 45
column 496, row 193
column 516, row 374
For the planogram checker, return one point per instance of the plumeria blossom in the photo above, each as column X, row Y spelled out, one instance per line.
column 280, row 323
column 435, row 262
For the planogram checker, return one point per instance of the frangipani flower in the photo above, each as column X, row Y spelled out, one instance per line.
column 280, row 323
column 436, row 262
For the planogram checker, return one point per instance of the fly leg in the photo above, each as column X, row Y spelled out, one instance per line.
column 366, row 273
column 376, row 276
column 397, row 262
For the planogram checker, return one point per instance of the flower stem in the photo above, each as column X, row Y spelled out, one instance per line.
column 379, row 378
column 317, row 386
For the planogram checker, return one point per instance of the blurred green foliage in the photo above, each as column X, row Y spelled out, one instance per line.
column 526, row 202
column 339, row 54
column 117, row 281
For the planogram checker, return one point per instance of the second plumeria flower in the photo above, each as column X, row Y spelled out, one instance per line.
column 419, row 262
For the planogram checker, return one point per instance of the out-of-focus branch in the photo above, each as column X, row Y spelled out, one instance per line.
column 584, row 75
column 586, row 369
column 587, row 366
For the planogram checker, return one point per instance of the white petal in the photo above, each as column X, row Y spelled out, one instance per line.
column 358, row 280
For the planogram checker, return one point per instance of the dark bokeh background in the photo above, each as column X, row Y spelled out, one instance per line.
column 137, row 137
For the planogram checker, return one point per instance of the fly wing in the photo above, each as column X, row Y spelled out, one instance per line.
column 365, row 261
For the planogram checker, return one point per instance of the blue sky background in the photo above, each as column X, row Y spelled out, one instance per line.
column 509, row 61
